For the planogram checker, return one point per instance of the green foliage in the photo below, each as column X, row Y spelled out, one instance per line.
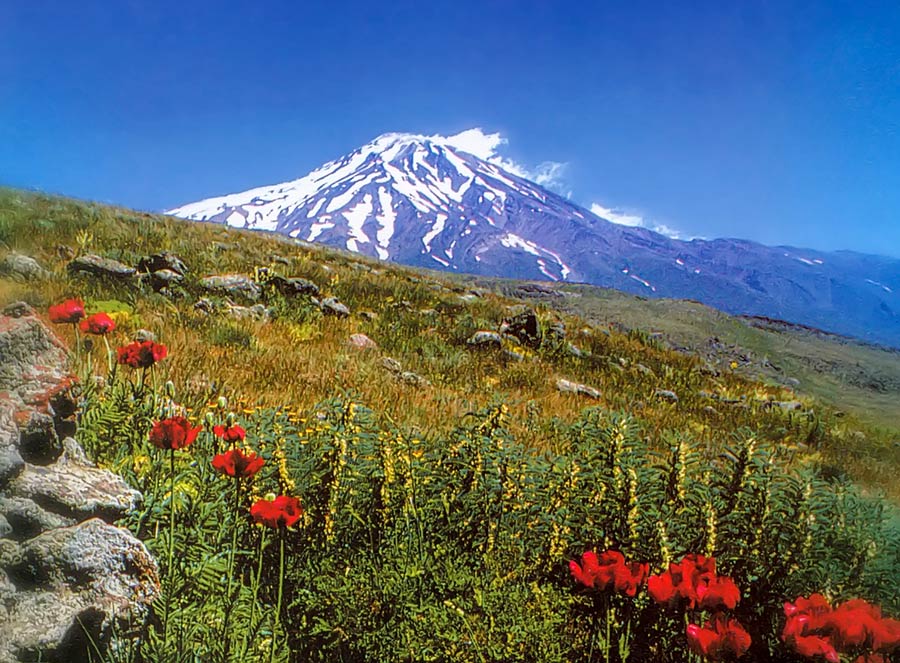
column 455, row 548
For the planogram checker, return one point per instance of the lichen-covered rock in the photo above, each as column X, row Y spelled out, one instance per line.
column 78, row 587
column 232, row 285
column 11, row 461
column 104, row 267
column 412, row 379
column 22, row 267
column 72, row 488
column 567, row 386
column 257, row 312
column 391, row 365
column 666, row 395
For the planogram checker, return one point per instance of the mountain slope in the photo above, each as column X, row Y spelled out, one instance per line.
column 423, row 201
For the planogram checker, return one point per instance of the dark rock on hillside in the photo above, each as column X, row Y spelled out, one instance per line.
column 69, row 582
column 164, row 260
column 22, row 267
column 666, row 395
column 524, row 326
column 237, row 286
column 165, row 278
column 104, row 267
column 292, row 286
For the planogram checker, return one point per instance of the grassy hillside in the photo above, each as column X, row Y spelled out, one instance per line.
column 441, row 507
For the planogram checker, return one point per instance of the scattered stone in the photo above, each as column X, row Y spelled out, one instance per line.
column 792, row 382
column 534, row 290
column 707, row 395
column 666, row 395
column 162, row 261
column 410, row 378
column 103, row 267
column 484, row 339
column 257, row 312
column 368, row 315
column 468, row 297
column 281, row 260
column 390, row 364
column 223, row 246
column 514, row 355
column 65, row 252
column 575, row 351
column 524, row 326
column 710, row 410
column 428, row 312
column 292, row 287
column 361, row 342
column 142, row 335
column 165, row 278
column 567, row 386
column 789, row 406
column 22, row 267
column 645, row 370
column 331, row 306
column 237, row 286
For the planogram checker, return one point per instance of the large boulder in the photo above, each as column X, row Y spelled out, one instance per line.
column 70, row 583
column 104, row 267
column 524, row 326
column 77, row 588
column 236, row 286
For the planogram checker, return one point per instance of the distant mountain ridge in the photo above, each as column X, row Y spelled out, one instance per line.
column 423, row 201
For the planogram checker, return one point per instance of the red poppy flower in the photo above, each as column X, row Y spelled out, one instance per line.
column 141, row 354
column 886, row 636
column 682, row 580
column 231, row 434
column 99, row 324
column 722, row 637
column 662, row 588
column 283, row 511
column 609, row 569
column 235, row 463
column 814, row 645
column 628, row 577
column 69, row 311
column 173, row 433
column 718, row 592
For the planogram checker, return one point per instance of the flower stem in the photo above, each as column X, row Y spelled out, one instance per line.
column 229, row 604
column 109, row 356
column 280, row 590
column 171, row 555
column 249, row 633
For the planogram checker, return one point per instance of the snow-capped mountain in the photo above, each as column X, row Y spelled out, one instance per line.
column 427, row 201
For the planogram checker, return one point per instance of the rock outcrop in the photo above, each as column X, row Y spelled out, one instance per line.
column 70, row 580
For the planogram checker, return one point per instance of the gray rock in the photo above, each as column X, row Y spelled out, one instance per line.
column 292, row 287
column 75, row 490
column 410, row 378
column 18, row 310
column 33, row 363
column 575, row 351
column 104, row 267
column 640, row 368
column 142, row 335
column 792, row 382
column 468, row 297
column 331, row 306
column 164, row 278
column 485, row 339
column 163, row 261
column 257, row 312
column 78, row 587
column 524, row 326
column 392, row 365
column 710, row 410
column 790, row 406
column 513, row 355
column 361, row 342
column 38, row 442
column 666, row 395
column 5, row 530
column 22, row 267
column 27, row 518
column 567, row 386
column 232, row 285
column 11, row 461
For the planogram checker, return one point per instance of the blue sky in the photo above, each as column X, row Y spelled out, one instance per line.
column 772, row 120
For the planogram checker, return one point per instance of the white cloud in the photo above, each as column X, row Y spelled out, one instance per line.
column 548, row 174
column 634, row 221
